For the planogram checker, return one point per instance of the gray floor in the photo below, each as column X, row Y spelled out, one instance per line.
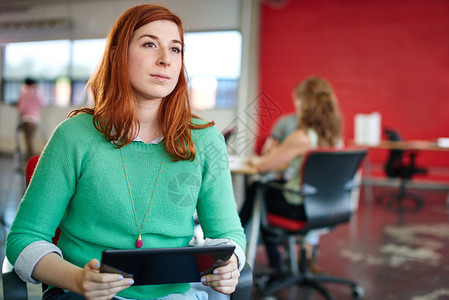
column 391, row 255
column 12, row 185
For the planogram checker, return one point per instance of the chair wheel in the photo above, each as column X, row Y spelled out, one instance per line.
column 357, row 292
column 261, row 281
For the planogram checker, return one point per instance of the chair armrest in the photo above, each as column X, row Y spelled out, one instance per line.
column 275, row 185
column 281, row 187
column 13, row 287
column 245, row 285
column 307, row 190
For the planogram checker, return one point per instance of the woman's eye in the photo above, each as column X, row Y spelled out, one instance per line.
column 149, row 45
column 176, row 49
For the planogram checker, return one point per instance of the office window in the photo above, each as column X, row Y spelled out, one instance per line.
column 86, row 57
column 212, row 61
column 44, row 61
column 62, row 68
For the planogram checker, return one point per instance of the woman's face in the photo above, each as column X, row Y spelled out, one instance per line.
column 155, row 60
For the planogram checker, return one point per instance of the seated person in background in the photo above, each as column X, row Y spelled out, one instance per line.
column 113, row 176
column 318, row 124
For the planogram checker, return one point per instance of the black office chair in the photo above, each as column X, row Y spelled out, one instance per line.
column 327, row 180
column 16, row 289
column 401, row 164
column 228, row 133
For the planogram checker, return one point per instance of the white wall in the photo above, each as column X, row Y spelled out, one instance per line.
column 8, row 124
column 93, row 19
column 9, row 120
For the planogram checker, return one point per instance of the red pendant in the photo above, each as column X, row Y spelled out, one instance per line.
column 139, row 242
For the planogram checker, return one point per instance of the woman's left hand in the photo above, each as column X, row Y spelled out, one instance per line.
column 224, row 279
column 254, row 160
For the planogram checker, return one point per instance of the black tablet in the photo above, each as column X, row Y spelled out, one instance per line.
column 165, row 265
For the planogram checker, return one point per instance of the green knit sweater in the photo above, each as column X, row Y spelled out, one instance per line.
column 79, row 185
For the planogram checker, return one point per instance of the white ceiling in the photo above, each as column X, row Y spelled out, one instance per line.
column 24, row 5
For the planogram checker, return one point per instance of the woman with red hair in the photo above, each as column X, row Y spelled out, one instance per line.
column 128, row 172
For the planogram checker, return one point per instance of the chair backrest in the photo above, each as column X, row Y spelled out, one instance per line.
column 31, row 165
column 228, row 133
column 327, row 178
column 394, row 162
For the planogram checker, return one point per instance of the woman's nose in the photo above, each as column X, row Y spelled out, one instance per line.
column 164, row 58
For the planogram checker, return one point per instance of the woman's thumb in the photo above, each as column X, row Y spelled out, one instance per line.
column 94, row 264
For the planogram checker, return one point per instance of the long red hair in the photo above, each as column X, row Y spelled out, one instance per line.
column 114, row 99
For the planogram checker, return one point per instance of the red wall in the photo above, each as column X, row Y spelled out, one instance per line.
column 380, row 55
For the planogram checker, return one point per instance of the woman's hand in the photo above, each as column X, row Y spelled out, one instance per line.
column 99, row 286
column 224, row 279
column 254, row 161
column 297, row 143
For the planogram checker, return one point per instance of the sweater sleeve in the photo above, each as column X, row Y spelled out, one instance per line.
column 30, row 256
column 284, row 127
column 217, row 209
column 48, row 194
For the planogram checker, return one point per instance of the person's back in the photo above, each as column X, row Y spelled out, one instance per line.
column 28, row 106
column 29, row 103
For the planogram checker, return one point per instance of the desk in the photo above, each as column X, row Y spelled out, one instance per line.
column 239, row 165
column 411, row 145
column 408, row 145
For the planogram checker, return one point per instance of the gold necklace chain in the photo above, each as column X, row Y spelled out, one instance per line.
column 139, row 242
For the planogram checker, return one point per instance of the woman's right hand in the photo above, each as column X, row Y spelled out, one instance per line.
column 99, row 286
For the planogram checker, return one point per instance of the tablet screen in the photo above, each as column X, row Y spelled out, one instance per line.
column 165, row 265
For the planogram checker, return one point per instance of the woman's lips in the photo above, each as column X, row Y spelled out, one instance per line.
column 160, row 77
